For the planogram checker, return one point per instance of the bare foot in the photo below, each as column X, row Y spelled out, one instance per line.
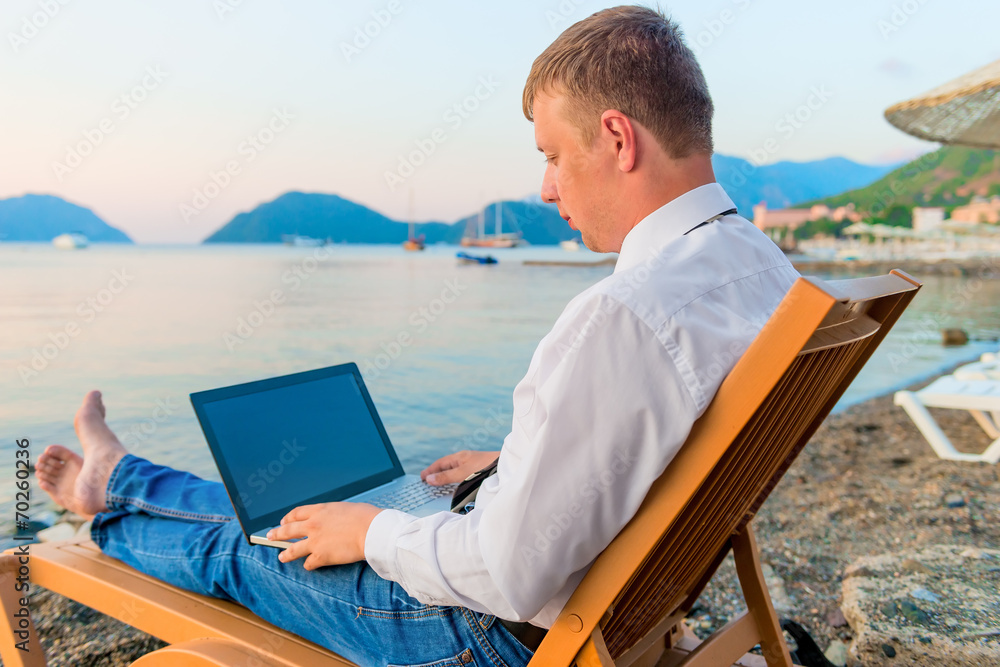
column 57, row 470
column 80, row 483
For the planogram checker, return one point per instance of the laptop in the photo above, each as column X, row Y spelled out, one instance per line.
column 305, row 438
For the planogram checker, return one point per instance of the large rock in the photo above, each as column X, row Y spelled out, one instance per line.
column 935, row 606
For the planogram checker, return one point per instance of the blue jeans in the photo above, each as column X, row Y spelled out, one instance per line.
column 181, row 529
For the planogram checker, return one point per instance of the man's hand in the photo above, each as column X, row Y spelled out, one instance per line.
column 456, row 467
column 332, row 533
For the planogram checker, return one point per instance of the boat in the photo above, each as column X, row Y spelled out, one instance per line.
column 466, row 258
column 71, row 241
column 302, row 241
column 495, row 240
column 572, row 245
column 413, row 242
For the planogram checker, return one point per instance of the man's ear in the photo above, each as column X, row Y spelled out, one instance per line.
column 620, row 132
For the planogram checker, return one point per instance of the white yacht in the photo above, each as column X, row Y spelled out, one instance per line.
column 71, row 241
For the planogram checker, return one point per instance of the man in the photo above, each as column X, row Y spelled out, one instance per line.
column 623, row 117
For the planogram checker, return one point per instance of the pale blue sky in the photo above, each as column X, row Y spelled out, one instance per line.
column 219, row 79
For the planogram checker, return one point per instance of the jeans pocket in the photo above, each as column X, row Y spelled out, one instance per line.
column 463, row 659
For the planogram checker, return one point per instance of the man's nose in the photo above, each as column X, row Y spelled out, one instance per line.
column 550, row 194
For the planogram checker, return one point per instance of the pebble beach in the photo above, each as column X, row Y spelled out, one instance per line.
column 867, row 484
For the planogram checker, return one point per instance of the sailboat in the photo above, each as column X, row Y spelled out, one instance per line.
column 497, row 239
column 413, row 242
column 71, row 241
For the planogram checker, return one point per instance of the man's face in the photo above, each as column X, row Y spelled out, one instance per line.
column 578, row 179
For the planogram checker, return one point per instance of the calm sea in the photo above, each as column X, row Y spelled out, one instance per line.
column 441, row 345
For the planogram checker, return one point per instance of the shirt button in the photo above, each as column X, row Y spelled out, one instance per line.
column 466, row 656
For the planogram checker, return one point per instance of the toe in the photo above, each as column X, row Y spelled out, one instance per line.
column 47, row 469
column 94, row 401
column 55, row 454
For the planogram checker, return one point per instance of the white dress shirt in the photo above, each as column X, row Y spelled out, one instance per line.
column 609, row 397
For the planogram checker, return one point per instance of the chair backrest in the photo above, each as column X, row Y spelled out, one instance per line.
column 766, row 410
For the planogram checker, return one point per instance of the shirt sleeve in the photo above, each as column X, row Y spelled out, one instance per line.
column 600, row 413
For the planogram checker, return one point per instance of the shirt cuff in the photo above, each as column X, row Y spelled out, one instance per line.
column 381, row 541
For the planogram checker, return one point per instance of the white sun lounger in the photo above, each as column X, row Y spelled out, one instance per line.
column 979, row 370
column 980, row 397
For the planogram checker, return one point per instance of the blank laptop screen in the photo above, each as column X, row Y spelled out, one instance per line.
column 288, row 443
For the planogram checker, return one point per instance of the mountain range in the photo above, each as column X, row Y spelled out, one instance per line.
column 326, row 216
column 784, row 184
column 43, row 217
column 948, row 177
column 329, row 216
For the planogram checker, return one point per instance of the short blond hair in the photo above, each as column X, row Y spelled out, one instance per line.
column 633, row 60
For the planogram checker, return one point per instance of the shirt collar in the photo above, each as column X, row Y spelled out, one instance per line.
column 670, row 222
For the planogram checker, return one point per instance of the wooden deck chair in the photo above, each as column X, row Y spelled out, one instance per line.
column 630, row 607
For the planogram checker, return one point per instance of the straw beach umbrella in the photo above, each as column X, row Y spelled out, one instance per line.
column 965, row 111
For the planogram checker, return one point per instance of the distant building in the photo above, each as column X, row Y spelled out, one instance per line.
column 847, row 212
column 979, row 211
column 792, row 218
column 783, row 217
column 926, row 219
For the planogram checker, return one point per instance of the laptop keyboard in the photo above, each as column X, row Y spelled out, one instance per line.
column 410, row 496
